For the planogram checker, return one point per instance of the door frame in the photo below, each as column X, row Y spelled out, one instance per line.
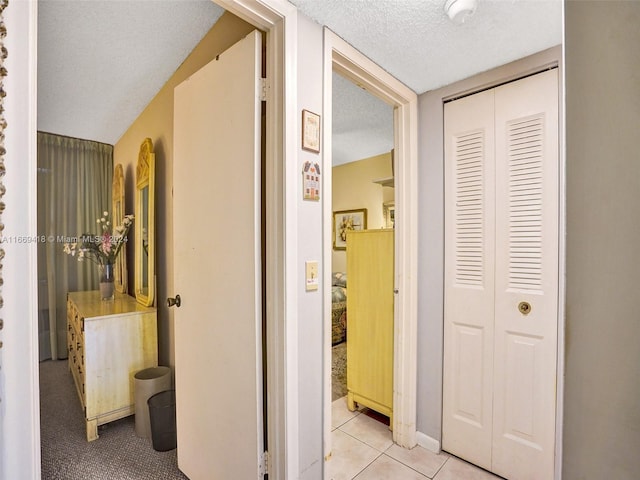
column 20, row 457
column 19, row 376
column 536, row 63
column 279, row 19
column 346, row 60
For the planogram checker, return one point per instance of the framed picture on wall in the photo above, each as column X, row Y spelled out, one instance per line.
column 344, row 221
column 310, row 131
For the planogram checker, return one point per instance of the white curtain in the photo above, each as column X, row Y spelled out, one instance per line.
column 74, row 188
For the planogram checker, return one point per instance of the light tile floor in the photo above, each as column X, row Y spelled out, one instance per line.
column 362, row 449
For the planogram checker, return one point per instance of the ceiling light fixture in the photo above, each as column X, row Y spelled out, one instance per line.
column 459, row 10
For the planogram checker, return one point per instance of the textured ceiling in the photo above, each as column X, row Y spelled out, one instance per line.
column 101, row 61
column 362, row 125
column 416, row 42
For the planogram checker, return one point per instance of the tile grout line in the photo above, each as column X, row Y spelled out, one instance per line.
column 365, row 443
column 356, row 414
column 441, row 467
column 380, row 453
column 408, row 466
column 370, row 463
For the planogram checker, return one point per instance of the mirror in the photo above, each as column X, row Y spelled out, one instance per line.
column 145, row 225
column 117, row 217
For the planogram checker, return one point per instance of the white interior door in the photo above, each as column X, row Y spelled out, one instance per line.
column 501, row 277
column 217, row 264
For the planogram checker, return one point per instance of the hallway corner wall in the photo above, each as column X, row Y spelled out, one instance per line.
column 601, row 434
column 310, row 246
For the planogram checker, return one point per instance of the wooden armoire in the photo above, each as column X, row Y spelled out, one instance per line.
column 370, row 266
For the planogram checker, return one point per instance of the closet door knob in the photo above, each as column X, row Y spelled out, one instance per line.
column 173, row 301
column 524, row 308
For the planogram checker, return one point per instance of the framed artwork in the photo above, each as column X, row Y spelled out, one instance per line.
column 310, row 131
column 344, row 221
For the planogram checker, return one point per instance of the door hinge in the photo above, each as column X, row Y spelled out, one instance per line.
column 263, row 468
column 263, row 89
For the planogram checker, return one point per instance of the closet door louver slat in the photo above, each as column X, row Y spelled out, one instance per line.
column 469, row 217
column 524, row 158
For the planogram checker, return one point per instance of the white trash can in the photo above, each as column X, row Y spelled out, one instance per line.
column 147, row 383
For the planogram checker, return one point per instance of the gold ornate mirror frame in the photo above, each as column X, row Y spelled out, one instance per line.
column 145, row 225
column 118, row 209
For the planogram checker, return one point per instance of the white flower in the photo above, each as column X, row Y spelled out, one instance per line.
column 104, row 247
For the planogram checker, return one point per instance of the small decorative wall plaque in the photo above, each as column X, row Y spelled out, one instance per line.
column 311, row 181
column 310, row 131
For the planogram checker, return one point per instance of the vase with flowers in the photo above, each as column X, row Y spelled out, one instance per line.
column 102, row 249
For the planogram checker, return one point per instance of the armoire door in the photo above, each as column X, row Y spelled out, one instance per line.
column 370, row 266
column 500, row 365
column 217, row 266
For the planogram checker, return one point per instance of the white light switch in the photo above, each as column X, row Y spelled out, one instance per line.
column 311, row 275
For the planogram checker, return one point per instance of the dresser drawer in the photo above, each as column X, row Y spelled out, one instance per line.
column 108, row 342
column 75, row 350
column 73, row 316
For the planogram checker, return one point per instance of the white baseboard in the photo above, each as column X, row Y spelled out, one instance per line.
column 425, row 441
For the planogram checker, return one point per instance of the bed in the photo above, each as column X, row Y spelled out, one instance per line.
column 338, row 308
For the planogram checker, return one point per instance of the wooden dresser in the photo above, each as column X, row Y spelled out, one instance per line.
column 108, row 342
column 370, row 320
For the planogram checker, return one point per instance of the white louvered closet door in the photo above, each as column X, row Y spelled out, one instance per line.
column 469, row 277
column 500, row 361
column 526, row 271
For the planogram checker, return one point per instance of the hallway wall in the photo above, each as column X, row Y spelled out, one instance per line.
column 309, row 218
column 602, row 382
column 353, row 188
column 19, row 398
column 156, row 122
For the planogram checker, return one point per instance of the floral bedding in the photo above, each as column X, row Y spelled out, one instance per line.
column 339, row 308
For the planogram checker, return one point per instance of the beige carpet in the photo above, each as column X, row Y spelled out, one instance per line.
column 339, row 371
column 117, row 455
